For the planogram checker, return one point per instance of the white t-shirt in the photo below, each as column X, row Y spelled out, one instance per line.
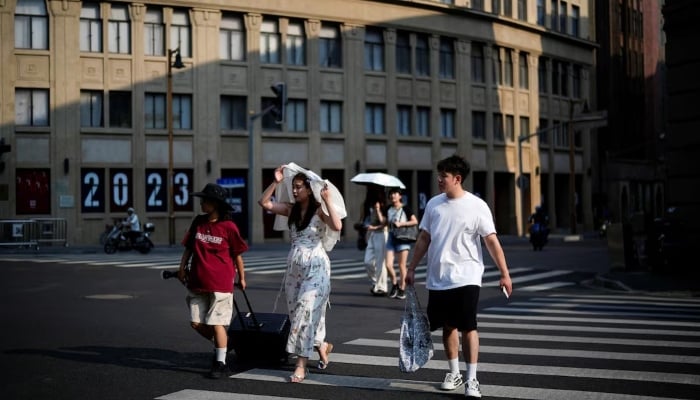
column 456, row 227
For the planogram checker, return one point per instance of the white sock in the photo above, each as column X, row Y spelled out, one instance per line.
column 221, row 354
column 471, row 371
column 454, row 365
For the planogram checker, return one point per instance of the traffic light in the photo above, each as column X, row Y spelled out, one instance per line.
column 4, row 148
column 280, row 101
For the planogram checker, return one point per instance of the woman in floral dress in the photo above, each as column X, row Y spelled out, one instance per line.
column 307, row 281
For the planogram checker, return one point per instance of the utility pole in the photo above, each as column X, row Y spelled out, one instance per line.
column 572, row 171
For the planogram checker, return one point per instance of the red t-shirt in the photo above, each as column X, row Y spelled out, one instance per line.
column 212, row 268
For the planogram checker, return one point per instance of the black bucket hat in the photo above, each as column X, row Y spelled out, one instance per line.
column 214, row 192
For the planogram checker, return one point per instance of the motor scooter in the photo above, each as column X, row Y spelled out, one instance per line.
column 538, row 235
column 117, row 241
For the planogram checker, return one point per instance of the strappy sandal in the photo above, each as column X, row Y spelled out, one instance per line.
column 294, row 378
column 324, row 364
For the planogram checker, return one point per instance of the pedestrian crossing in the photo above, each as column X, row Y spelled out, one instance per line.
column 524, row 278
column 569, row 346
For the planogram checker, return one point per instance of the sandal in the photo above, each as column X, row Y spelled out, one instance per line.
column 324, row 364
column 294, row 378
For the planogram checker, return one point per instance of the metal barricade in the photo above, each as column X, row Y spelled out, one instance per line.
column 51, row 230
column 18, row 232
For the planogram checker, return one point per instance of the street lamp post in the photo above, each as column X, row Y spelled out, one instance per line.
column 169, row 122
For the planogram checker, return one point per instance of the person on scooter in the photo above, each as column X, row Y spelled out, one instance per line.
column 131, row 227
column 539, row 229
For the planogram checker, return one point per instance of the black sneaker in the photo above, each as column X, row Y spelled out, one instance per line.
column 394, row 291
column 219, row 370
column 401, row 294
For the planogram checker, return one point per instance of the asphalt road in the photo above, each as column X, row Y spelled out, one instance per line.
column 73, row 329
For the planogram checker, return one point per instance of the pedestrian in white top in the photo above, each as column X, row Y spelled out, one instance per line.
column 452, row 227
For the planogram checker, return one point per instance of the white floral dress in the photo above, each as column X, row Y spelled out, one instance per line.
column 307, row 287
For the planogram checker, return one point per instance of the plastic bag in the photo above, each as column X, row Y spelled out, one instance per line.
column 415, row 342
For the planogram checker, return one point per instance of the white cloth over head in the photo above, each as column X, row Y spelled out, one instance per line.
column 283, row 194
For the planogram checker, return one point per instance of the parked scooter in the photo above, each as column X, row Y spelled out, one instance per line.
column 117, row 240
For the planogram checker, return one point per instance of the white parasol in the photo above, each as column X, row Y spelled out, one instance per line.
column 378, row 178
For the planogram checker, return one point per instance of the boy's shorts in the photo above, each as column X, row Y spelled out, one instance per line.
column 211, row 308
column 453, row 307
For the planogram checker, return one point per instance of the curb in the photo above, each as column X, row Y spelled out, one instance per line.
column 608, row 283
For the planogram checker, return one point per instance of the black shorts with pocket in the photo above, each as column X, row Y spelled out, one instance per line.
column 453, row 307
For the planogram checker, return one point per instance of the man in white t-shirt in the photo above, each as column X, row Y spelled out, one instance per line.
column 452, row 227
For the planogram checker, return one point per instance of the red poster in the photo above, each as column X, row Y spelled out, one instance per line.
column 33, row 191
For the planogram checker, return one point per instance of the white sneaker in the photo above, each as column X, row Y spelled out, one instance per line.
column 452, row 381
column 472, row 388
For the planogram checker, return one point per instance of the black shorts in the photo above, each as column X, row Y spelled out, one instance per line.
column 453, row 307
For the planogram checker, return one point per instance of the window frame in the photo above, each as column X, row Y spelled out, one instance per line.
column 154, row 33
column 233, row 112
column 232, row 36
column 29, row 19
column 90, row 28
column 328, row 124
column 330, row 43
column 375, row 119
column 120, row 29
column 35, row 119
column 374, row 50
column 94, row 101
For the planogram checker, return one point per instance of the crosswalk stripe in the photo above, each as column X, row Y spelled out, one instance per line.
column 191, row 394
column 514, row 392
column 546, row 352
column 558, row 304
column 511, row 309
column 582, row 320
column 586, row 328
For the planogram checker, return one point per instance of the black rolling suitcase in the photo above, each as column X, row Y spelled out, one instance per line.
column 258, row 337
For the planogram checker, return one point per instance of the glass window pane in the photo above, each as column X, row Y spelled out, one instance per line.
column 40, row 107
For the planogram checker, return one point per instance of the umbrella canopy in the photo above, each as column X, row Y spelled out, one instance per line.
column 378, row 178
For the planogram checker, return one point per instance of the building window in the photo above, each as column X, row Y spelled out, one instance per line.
column 564, row 79
column 422, row 56
column 575, row 17
column 154, row 111
column 509, row 131
column 232, row 39
column 562, row 17
column 543, row 134
column 180, row 33
column 525, row 127
column 234, row 112
column 508, row 67
column 296, row 116
column 447, row 123
column 153, row 33
column 559, row 134
column 120, row 109
column 403, row 53
column 498, row 65
column 479, row 125
column 403, row 120
column 554, row 16
column 542, row 74
column 374, row 119
column 182, row 111
column 556, row 79
column 331, row 51
column 331, row 117
column 447, row 58
column 296, row 44
column 31, row 25
column 90, row 28
column 498, row 133
column 91, row 106
column 576, row 81
column 508, row 8
column 478, row 5
column 541, row 13
column 269, row 43
column 374, row 50
column 478, row 63
column 522, row 10
column 523, row 67
column 119, row 30
column 423, row 121
column 31, row 107
column 496, row 6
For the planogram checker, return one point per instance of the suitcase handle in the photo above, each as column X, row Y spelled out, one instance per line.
column 256, row 324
